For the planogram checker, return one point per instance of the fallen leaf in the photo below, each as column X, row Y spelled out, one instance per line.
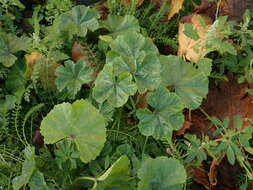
column 201, row 177
column 226, row 99
column 207, row 8
column 186, row 125
column 78, row 52
column 235, row 8
column 31, row 60
column 187, row 46
column 176, row 6
column 140, row 100
column 229, row 99
column 45, row 70
column 38, row 139
column 213, row 171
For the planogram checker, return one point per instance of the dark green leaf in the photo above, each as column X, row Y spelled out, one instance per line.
column 166, row 117
column 72, row 76
column 115, row 88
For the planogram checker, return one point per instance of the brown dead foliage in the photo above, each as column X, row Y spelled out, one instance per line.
column 78, row 52
column 226, row 99
column 38, row 139
column 187, row 46
column 235, row 8
column 45, row 69
column 229, row 99
column 224, row 174
column 213, row 171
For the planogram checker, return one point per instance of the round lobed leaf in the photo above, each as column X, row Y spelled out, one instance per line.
column 161, row 173
column 79, row 121
column 166, row 117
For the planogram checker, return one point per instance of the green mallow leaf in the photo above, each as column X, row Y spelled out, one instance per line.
column 11, row 44
column 116, row 177
column 118, row 25
column 72, row 76
column 166, row 115
column 137, row 55
column 77, row 21
column 37, row 182
column 161, row 173
column 80, row 122
column 28, row 168
column 114, row 87
column 190, row 83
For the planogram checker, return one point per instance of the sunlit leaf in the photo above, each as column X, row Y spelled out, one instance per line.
column 80, row 122
column 116, row 88
column 140, row 59
column 190, row 84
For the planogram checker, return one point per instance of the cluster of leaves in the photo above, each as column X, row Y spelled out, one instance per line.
column 91, row 130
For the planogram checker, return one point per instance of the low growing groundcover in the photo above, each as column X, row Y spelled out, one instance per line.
column 126, row 95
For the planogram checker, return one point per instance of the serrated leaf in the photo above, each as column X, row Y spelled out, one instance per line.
column 80, row 122
column 118, row 25
column 116, row 177
column 176, row 6
column 28, row 168
column 140, row 59
column 72, row 76
column 166, row 117
column 37, row 181
column 115, row 88
column 11, row 44
column 190, row 84
column 77, row 21
column 161, row 173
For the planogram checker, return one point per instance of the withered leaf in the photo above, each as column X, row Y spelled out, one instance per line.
column 176, row 6
column 188, row 47
column 213, row 171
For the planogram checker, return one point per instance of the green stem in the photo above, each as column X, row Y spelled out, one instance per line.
column 144, row 146
column 88, row 178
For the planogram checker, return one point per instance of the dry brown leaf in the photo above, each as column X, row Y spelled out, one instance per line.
column 235, row 8
column 207, row 8
column 213, row 171
column 176, row 6
column 229, row 99
column 224, row 100
column 78, row 52
column 31, row 60
column 187, row 46
column 186, row 125
column 38, row 139
column 45, row 69
column 201, row 177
